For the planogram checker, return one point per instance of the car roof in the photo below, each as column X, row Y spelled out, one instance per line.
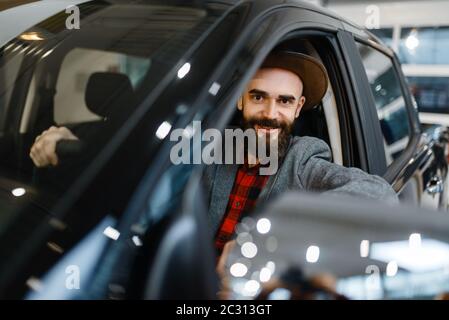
column 7, row 4
column 20, row 18
column 348, row 25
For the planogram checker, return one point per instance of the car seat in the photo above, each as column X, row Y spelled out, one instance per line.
column 109, row 95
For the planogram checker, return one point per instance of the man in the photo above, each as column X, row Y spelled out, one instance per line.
column 285, row 84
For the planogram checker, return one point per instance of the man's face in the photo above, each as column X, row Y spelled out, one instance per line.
column 271, row 103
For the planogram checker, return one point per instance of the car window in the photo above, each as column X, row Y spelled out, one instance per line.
column 93, row 80
column 76, row 69
column 389, row 100
column 97, row 73
column 9, row 72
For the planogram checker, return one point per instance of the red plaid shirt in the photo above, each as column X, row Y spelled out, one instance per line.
column 247, row 186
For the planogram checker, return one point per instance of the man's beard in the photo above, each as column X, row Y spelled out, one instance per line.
column 283, row 138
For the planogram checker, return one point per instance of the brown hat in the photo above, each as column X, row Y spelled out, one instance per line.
column 310, row 70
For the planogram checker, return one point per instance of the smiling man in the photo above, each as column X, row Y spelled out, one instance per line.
column 285, row 84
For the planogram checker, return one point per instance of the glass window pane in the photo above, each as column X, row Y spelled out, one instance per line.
column 429, row 45
column 77, row 68
column 390, row 103
column 91, row 79
column 101, row 71
column 8, row 75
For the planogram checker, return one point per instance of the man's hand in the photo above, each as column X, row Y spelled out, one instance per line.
column 43, row 151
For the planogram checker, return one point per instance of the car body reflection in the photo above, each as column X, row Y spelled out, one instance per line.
column 330, row 248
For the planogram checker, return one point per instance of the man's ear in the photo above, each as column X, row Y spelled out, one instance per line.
column 301, row 102
column 240, row 103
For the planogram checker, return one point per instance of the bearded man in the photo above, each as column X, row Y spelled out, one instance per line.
column 285, row 84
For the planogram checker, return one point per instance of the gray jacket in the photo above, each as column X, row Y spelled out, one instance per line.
column 306, row 166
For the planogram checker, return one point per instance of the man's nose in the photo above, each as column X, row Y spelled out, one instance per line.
column 270, row 110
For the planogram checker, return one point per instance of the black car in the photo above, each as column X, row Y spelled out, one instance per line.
column 116, row 218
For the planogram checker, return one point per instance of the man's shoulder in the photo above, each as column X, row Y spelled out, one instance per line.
column 301, row 149
column 307, row 141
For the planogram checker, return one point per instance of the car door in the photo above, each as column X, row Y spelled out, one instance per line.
column 413, row 162
column 175, row 235
column 48, row 236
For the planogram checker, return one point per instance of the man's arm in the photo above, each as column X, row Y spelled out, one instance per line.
column 43, row 151
column 318, row 173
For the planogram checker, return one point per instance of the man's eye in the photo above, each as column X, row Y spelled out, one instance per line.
column 286, row 101
column 257, row 97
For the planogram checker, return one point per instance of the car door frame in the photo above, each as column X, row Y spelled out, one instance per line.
column 416, row 155
column 239, row 56
column 371, row 151
column 253, row 57
column 251, row 61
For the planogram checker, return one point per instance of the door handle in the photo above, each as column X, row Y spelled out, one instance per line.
column 435, row 185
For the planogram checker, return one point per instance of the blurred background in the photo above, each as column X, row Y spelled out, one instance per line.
column 418, row 31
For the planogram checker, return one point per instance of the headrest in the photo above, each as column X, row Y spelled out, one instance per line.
column 106, row 91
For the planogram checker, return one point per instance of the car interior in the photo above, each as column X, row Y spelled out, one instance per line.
column 91, row 103
column 100, row 93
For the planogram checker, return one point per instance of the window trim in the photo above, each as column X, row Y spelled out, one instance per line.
column 368, row 134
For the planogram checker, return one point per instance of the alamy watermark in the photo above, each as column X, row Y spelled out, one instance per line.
column 72, row 281
column 73, row 20
column 237, row 146
column 372, row 21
